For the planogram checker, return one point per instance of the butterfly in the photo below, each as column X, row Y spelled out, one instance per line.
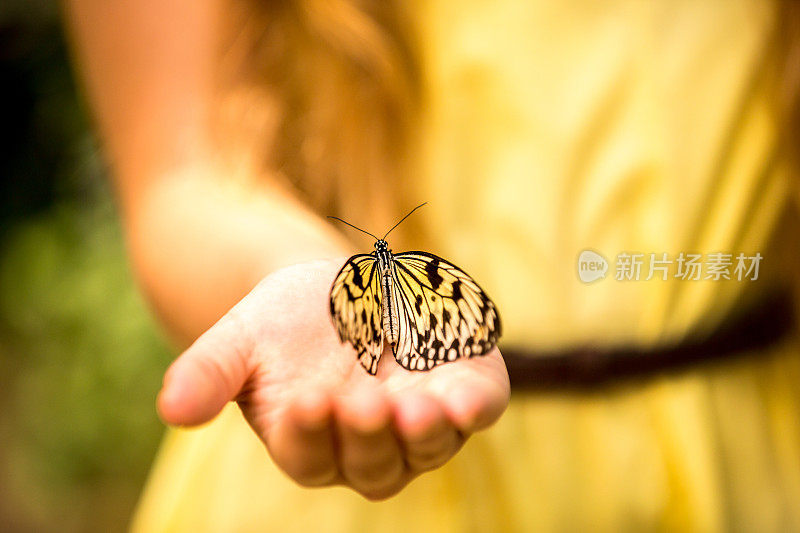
column 429, row 310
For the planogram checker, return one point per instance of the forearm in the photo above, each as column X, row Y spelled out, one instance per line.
column 200, row 243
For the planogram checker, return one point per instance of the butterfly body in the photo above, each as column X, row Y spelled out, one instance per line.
column 390, row 324
column 428, row 310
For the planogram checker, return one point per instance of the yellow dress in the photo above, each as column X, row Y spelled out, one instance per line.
column 551, row 128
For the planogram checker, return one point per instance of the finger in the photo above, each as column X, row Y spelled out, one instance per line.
column 302, row 442
column 206, row 376
column 428, row 438
column 369, row 454
column 476, row 400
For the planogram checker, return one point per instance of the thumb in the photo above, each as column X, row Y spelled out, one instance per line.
column 206, row 376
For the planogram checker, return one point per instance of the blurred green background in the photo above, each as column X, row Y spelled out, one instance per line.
column 81, row 357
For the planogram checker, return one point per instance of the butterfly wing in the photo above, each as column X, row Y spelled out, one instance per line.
column 356, row 308
column 444, row 314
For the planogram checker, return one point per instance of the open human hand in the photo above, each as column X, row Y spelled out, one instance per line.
column 324, row 420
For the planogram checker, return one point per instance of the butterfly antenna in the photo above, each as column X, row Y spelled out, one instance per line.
column 402, row 219
column 356, row 227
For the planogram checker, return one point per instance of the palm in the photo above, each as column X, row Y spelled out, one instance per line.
column 292, row 353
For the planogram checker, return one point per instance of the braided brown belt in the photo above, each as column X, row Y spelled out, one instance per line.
column 761, row 326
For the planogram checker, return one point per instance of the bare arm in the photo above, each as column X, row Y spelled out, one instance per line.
column 199, row 242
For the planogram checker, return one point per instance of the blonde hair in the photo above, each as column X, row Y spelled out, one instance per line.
column 319, row 96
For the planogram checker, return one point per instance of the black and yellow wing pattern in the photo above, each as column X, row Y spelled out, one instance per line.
column 355, row 305
column 444, row 314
